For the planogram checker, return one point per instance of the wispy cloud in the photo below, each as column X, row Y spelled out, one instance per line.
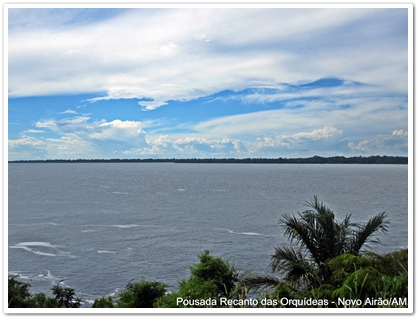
column 137, row 53
column 68, row 112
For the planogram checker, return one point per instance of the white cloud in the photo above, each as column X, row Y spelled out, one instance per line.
column 318, row 134
column 400, row 133
column 79, row 137
column 116, row 130
column 393, row 143
column 26, row 141
column 204, row 51
column 68, row 112
column 168, row 48
column 203, row 38
column 70, row 146
column 319, row 141
column 203, row 147
column 34, row 131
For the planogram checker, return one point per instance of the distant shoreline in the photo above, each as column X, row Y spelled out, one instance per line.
column 309, row 160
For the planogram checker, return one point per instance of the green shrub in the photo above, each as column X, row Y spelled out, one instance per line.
column 18, row 293
column 20, row 297
column 141, row 294
column 103, row 302
column 211, row 278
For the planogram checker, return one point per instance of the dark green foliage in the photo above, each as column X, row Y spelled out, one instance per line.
column 217, row 271
column 40, row 300
column 391, row 264
column 322, row 260
column 212, row 277
column 370, row 275
column 198, row 288
column 294, row 266
column 65, row 297
column 344, row 265
column 395, row 287
column 257, row 282
column 18, row 293
column 103, row 302
column 20, row 297
column 360, row 284
column 320, row 237
column 141, row 294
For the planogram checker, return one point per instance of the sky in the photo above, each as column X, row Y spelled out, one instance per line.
column 207, row 82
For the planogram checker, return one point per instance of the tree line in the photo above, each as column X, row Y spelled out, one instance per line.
column 309, row 160
column 324, row 265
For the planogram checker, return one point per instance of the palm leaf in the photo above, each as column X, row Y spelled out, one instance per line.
column 258, row 282
column 364, row 233
column 294, row 266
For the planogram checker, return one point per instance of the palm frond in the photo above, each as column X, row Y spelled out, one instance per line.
column 364, row 233
column 294, row 266
column 257, row 282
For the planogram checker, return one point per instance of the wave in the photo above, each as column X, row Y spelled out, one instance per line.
column 120, row 226
column 52, row 250
column 41, row 277
column 230, row 231
column 49, row 277
column 124, row 226
column 33, row 224
column 245, row 233
column 106, row 252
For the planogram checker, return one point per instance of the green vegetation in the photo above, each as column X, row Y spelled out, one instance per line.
column 319, row 238
column 211, row 278
column 141, row 294
column 20, row 297
column 324, row 266
column 328, row 264
column 310, row 160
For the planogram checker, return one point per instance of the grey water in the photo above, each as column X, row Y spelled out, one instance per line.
column 96, row 226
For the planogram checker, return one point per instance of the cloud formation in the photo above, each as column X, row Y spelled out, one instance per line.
column 215, row 82
column 156, row 54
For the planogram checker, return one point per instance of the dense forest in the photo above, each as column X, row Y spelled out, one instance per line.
column 324, row 266
column 310, row 160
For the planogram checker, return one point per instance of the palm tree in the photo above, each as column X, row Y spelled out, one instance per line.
column 318, row 237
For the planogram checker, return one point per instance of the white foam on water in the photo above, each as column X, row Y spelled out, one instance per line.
column 106, row 252
column 245, row 233
column 124, row 226
column 52, row 278
column 230, row 231
column 19, row 275
column 36, row 243
column 30, row 246
column 41, row 277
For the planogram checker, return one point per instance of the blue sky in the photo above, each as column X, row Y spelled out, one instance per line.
column 207, row 82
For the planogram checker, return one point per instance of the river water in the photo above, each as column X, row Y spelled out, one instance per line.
column 96, row 226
